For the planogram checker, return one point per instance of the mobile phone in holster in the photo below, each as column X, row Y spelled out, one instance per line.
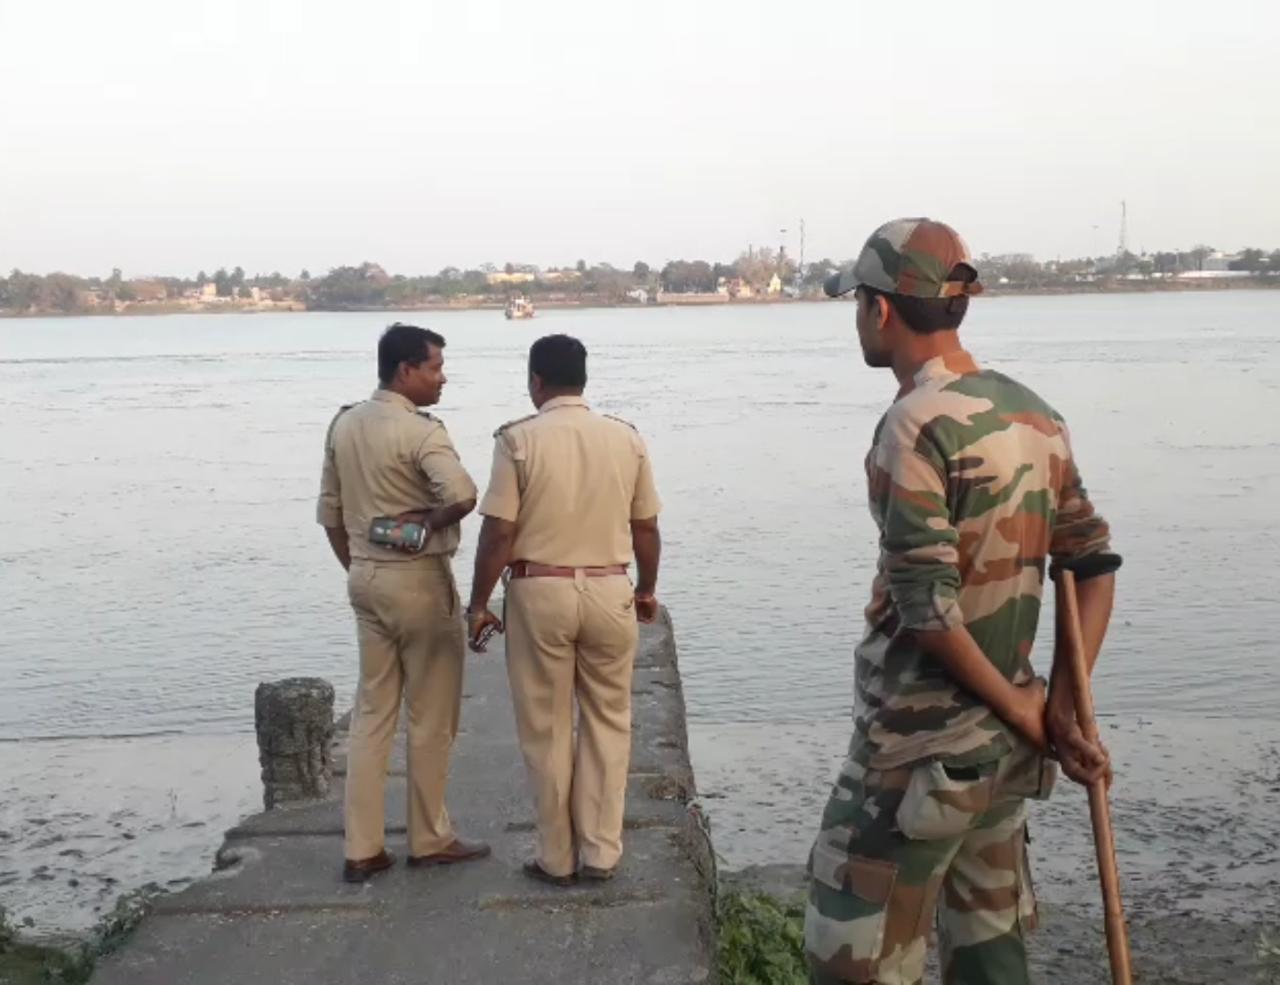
column 399, row 535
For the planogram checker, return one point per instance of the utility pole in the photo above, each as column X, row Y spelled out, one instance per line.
column 800, row 268
column 782, row 257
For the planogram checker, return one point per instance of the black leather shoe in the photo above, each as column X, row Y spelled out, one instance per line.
column 458, row 851
column 362, row 870
column 534, row 870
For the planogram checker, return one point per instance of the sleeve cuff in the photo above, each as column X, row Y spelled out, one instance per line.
column 460, row 495
column 930, row 613
column 646, row 511
column 490, row 507
column 1088, row 566
column 328, row 516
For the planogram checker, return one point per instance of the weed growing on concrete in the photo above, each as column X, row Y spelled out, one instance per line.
column 69, row 962
column 761, row 941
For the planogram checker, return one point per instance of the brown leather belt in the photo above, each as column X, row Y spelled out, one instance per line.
column 530, row 569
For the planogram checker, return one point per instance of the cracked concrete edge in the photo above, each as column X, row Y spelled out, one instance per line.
column 657, row 653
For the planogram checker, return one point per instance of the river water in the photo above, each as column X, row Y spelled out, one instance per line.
column 158, row 558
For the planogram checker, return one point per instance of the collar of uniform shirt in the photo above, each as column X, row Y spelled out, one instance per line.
column 566, row 401
column 391, row 397
column 958, row 363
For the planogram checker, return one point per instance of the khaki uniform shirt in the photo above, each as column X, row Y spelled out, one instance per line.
column 384, row 457
column 572, row 481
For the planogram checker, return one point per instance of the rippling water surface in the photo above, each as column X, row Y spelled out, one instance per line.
column 158, row 555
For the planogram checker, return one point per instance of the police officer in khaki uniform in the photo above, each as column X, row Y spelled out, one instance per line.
column 385, row 458
column 570, row 501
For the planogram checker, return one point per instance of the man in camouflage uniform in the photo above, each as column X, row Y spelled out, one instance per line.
column 972, row 484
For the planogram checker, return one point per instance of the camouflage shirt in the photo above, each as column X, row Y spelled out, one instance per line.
column 972, row 485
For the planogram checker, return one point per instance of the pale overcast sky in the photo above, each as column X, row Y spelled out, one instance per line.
column 165, row 136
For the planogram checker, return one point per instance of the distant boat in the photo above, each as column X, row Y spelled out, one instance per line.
column 519, row 308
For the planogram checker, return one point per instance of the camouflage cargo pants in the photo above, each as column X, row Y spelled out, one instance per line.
column 899, row 846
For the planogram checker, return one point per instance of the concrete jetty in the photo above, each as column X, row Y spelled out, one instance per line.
column 276, row 911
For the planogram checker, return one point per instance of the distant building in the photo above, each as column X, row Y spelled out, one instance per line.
column 559, row 276
column 148, row 290
column 734, row 287
column 516, row 277
column 1216, row 274
column 1219, row 261
column 638, row 294
column 775, row 284
column 208, row 291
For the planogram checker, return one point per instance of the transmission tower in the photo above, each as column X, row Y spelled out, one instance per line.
column 1123, row 248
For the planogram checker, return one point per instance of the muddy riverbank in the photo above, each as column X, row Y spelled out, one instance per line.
column 1194, row 804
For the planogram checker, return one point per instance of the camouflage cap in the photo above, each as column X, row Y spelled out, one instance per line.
column 914, row 257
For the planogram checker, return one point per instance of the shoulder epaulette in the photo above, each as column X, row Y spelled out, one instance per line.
column 341, row 410
column 621, row 421
column 511, row 424
column 429, row 416
column 328, row 435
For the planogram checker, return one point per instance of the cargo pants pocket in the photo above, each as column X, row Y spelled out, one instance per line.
column 1028, row 906
column 845, row 920
column 944, row 799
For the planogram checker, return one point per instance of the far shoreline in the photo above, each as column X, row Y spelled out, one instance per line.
column 1197, row 286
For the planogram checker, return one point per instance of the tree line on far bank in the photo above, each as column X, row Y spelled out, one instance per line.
column 368, row 285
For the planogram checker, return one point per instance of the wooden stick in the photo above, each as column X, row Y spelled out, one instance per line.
column 1099, row 809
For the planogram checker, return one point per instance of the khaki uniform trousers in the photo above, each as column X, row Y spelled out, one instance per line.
column 409, row 627
column 567, row 637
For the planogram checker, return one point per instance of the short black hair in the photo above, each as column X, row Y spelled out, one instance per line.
column 924, row 316
column 560, row 360
column 402, row 343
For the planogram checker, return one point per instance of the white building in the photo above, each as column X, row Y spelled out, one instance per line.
column 1219, row 261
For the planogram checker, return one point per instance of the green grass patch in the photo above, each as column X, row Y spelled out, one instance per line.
column 1269, row 957
column 24, row 962
column 33, row 964
column 761, row 941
